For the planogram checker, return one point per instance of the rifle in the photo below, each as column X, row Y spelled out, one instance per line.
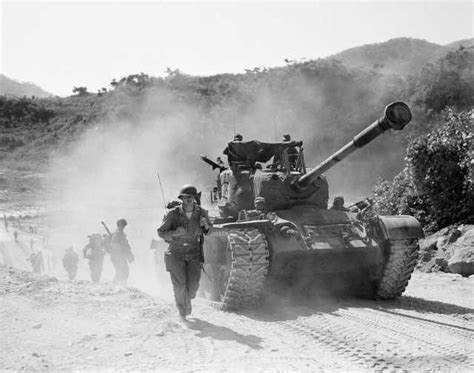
column 106, row 229
column 162, row 193
column 213, row 164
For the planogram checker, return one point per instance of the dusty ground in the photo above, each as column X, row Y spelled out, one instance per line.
column 51, row 324
column 54, row 325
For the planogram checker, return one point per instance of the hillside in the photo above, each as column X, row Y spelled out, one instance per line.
column 401, row 56
column 12, row 87
column 144, row 120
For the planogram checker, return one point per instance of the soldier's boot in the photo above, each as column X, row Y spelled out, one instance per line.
column 189, row 308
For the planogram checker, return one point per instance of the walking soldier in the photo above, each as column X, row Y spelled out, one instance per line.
column 120, row 253
column 183, row 228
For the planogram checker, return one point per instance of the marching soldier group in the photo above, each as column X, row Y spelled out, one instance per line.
column 183, row 228
column 98, row 246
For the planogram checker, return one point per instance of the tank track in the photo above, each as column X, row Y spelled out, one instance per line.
column 402, row 257
column 248, row 268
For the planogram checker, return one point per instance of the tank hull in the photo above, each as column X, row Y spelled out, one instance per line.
column 305, row 250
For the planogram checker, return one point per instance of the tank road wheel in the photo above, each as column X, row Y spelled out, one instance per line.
column 241, row 277
column 400, row 264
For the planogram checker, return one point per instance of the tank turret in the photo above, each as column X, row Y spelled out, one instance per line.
column 396, row 116
column 285, row 181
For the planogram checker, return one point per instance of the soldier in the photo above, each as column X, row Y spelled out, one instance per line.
column 120, row 253
column 70, row 262
column 338, row 204
column 257, row 214
column 292, row 151
column 37, row 262
column 95, row 252
column 15, row 236
column 218, row 180
column 183, row 228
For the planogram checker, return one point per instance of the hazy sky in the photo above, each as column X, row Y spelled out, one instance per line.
column 58, row 45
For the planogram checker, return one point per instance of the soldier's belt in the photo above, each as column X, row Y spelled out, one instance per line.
column 186, row 242
column 194, row 243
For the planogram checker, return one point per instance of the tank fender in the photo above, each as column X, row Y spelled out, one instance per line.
column 280, row 223
column 399, row 227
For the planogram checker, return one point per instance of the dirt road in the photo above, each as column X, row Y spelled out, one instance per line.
column 54, row 325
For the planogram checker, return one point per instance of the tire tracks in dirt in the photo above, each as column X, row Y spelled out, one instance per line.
column 379, row 340
column 274, row 344
column 369, row 336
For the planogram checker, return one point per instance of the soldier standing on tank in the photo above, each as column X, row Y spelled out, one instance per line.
column 218, row 180
column 183, row 228
column 95, row 252
column 70, row 262
column 292, row 151
column 120, row 253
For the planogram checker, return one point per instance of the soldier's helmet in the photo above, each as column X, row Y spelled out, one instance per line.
column 286, row 137
column 188, row 190
column 121, row 223
column 238, row 137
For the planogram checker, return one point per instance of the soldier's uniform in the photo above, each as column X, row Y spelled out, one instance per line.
column 70, row 262
column 183, row 256
column 37, row 262
column 120, row 254
column 95, row 252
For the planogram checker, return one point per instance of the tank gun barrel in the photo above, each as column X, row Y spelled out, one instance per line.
column 396, row 116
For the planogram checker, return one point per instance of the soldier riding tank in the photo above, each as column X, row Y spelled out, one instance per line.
column 276, row 230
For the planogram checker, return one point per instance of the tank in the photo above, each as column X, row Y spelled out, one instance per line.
column 275, row 233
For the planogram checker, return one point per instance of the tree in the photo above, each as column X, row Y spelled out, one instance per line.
column 80, row 91
column 436, row 185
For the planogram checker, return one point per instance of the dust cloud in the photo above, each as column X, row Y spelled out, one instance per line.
column 111, row 171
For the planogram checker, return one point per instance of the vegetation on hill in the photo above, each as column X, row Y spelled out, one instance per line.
column 436, row 185
column 401, row 56
column 324, row 102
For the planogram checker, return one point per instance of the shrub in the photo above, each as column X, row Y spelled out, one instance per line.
column 436, row 184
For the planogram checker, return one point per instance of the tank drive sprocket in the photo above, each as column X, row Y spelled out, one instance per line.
column 400, row 264
column 246, row 268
